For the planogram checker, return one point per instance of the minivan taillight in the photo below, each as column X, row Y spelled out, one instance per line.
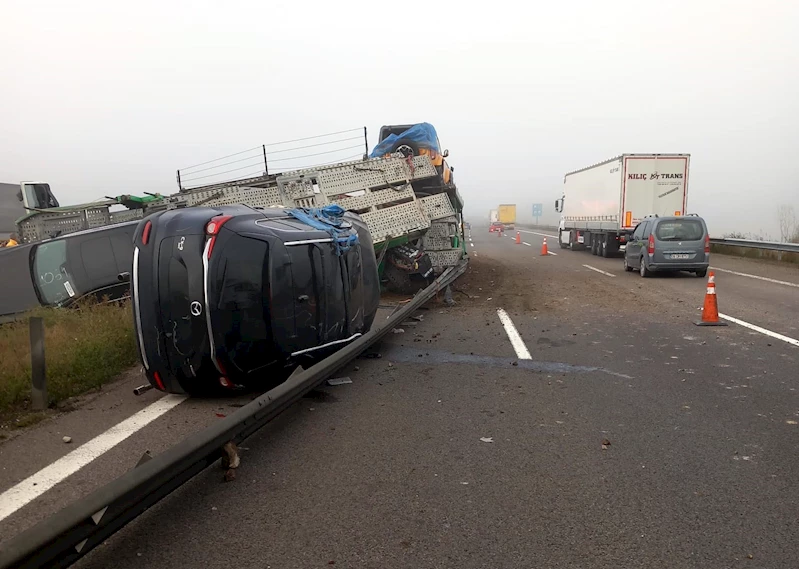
column 707, row 243
column 651, row 248
column 212, row 230
column 145, row 234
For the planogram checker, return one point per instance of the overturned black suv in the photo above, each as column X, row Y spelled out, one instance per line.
column 233, row 296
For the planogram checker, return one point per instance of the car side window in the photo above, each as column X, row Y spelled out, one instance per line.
column 639, row 231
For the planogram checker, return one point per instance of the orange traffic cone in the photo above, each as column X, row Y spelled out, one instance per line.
column 710, row 312
column 544, row 250
column 518, row 238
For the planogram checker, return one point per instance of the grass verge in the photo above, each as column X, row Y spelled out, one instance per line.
column 85, row 347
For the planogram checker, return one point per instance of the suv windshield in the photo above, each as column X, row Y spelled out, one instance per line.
column 680, row 230
column 50, row 274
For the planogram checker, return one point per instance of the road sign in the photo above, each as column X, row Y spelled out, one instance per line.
column 538, row 211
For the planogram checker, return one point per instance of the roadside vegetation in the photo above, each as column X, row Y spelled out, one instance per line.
column 85, row 347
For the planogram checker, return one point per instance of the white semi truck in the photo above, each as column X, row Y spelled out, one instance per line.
column 602, row 204
column 493, row 216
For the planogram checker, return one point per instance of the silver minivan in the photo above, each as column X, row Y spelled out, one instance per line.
column 661, row 244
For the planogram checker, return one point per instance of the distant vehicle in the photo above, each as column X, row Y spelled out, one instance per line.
column 673, row 243
column 507, row 215
column 603, row 203
column 493, row 215
column 496, row 226
column 57, row 272
column 231, row 296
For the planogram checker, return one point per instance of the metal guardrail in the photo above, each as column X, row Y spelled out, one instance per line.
column 71, row 533
column 747, row 243
column 753, row 244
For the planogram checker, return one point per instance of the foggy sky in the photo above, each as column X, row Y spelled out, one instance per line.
column 104, row 98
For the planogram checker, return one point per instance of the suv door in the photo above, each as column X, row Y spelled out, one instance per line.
column 633, row 251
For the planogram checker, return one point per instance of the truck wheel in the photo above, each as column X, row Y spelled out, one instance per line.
column 560, row 240
column 594, row 245
column 406, row 147
column 606, row 250
column 402, row 282
column 643, row 270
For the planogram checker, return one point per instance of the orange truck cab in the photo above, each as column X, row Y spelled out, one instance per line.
column 414, row 140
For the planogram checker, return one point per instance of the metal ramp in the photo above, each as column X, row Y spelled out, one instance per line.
column 379, row 189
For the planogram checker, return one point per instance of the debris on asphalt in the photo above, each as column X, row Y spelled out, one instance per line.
column 605, row 444
column 515, row 364
column 67, row 439
column 339, row 381
column 487, row 439
column 791, row 422
column 410, row 323
column 220, row 415
column 371, row 355
column 356, row 368
column 398, row 331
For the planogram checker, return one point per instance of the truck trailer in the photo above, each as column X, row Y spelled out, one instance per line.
column 507, row 215
column 602, row 203
column 493, row 216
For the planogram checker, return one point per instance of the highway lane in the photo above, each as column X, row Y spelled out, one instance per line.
column 742, row 289
column 453, row 451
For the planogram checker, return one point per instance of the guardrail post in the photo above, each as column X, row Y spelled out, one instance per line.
column 38, row 368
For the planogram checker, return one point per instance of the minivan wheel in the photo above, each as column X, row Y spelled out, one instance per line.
column 627, row 266
column 702, row 273
column 644, row 271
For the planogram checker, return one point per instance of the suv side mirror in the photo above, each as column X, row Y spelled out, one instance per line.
column 446, row 153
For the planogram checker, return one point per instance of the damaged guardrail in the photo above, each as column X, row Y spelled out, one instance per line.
column 71, row 533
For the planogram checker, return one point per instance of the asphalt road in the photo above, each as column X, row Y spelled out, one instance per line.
column 458, row 449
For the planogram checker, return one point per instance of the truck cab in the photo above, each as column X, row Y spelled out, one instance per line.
column 18, row 200
column 415, row 140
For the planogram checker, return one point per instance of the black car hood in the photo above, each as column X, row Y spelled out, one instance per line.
column 17, row 293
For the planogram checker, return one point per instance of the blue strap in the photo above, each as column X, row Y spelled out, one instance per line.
column 329, row 219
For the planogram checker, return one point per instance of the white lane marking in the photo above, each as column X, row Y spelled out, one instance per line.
column 551, row 253
column 755, row 277
column 599, row 271
column 786, row 339
column 536, row 233
column 472, row 244
column 37, row 484
column 513, row 335
column 526, row 243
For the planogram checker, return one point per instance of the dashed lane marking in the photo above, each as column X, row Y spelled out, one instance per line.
column 775, row 281
column 786, row 339
column 536, row 233
column 34, row 486
column 513, row 335
column 526, row 243
column 599, row 271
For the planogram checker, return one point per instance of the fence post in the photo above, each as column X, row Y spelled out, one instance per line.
column 38, row 369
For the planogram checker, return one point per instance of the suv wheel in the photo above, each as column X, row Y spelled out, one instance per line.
column 644, row 271
column 702, row 273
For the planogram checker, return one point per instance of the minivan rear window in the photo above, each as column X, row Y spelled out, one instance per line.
column 680, row 230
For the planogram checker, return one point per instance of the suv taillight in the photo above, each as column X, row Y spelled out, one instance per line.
column 145, row 234
column 212, row 230
column 707, row 243
column 651, row 248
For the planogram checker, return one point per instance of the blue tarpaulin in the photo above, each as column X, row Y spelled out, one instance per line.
column 423, row 134
column 330, row 219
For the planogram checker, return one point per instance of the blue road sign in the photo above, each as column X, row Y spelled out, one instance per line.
column 538, row 209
